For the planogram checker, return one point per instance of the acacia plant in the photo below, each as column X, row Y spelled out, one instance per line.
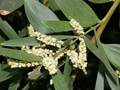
column 52, row 46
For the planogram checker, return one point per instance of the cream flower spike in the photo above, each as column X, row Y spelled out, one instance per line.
column 17, row 64
column 77, row 27
column 48, row 40
column 73, row 56
column 81, row 63
column 82, row 54
column 50, row 64
column 118, row 73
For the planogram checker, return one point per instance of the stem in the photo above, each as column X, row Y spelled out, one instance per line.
column 105, row 20
column 64, row 48
column 92, row 28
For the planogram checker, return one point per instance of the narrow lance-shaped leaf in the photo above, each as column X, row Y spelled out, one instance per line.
column 15, row 82
column 112, row 85
column 67, row 71
column 59, row 81
column 58, row 26
column 35, row 74
column 7, row 73
column 10, row 5
column 4, row 75
column 60, row 37
column 27, row 41
column 100, row 1
column 36, row 12
column 100, row 78
column 19, row 54
column 1, row 39
column 13, row 86
column 102, row 56
column 53, row 5
column 79, row 10
column 113, row 53
column 8, row 30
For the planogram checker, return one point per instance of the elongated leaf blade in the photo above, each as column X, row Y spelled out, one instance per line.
column 113, row 53
column 60, row 37
column 4, row 75
column 102, row 56
column 79, row 10
column 10, row 5
column 112, row 85
column 1, row 39
column 27, row 41
column 100, row 1
column 35, row 74
column 67, row 71
column 13, row 86
column 53, row 5
column 59, row 81
column 36, row 12
column 58, row 26
column 18, row 54
column 100, row 79
column 8, row 30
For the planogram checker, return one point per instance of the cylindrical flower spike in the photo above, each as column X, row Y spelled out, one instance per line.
column 48, row 40
column 82, row 55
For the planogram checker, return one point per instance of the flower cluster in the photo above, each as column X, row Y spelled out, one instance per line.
column 118, row 73
column 48, row 40
column 38, row 51
column 50, row 60
column 16, row 64
column 81, row 62
column 82, row 54
column 77, row 27
column 50, row 64
column 73, row 56
column 51, row 57
column 51, row 82
column 76, row 60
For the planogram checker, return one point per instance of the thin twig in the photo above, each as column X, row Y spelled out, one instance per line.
column 105, row 20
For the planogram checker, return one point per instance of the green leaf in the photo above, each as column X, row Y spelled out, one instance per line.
column 67, row 71
column 112, row 85
column 26, row 87
column 113, row 53
column 4, row 75
column 18, row 54
column 13, row 86
column 102, row 56
column 60, row 37
column 28, row 41
column 100, row 79
column 58, row 26
column 7, row 73
column 23, row 32
column 8, row 30
column 1, row 39
column 100, row 1
column 59, row 81
column 53, row 5
column 10, row 5
column 36, row 12
column 35, row 74
column 78, row 10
